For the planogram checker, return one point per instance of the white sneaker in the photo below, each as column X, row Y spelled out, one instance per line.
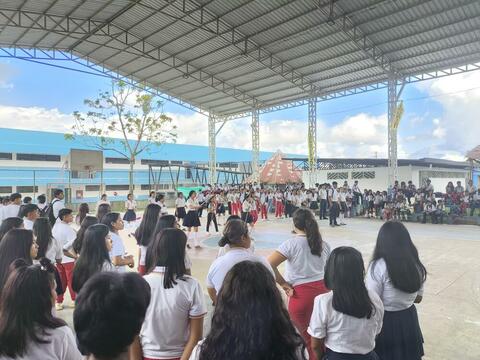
column 58, row 306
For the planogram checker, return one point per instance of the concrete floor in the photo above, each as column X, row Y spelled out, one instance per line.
column 450, row 311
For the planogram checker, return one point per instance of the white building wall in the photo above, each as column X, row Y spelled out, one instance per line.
column 380, row 181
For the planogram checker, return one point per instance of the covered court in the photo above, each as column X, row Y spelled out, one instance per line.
column 244, row 58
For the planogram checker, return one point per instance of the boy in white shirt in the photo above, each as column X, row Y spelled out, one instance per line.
column 30, row 213
column 64, row 233
column 12, row 209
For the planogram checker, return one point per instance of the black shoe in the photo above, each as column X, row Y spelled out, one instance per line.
column 337, row 225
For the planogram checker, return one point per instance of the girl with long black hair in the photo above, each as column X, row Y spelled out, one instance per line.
column 28, row 329
column 176, row 299
column 144, row 233
column 346, row 320
column 16, row 244
column 48, row 246
column 83, row 211
column 86, row 223
column 397, row 275
column 306, row 255
column 94, row 256
column 250, row 320
column 102, row 210
column 117, row 254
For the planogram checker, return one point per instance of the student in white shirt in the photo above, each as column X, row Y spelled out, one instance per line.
column 103, row 200
column 250, row 318
column 48, row 246
column 30, row 213
column 109, row 314
column 333, row 203
column 160, row 201
column 152, row 197
column 41, row 202
column 64, row 233
column 13, row 208
column 57, row 202
column 223, row 243
column 130, row 207
column 177, row 299
column 28, row 328
column 346, row 321
column 192, row 219
column 236, row 236
column 145, row 232
column 305, row 255
column 117, row 254
column 397, row 275
column 180, row 212
column 94, row 256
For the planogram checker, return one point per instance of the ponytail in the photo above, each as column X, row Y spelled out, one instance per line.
column 304, row 220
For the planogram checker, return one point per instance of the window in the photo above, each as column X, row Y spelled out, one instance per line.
column 92, row 187
column 114, row 160
column 83, row 174
column 26, row 189
column 6, row 190
column 116, row 187
column 5, row 156
column 154, row 162
column 228, row 165
column 176, row 163
column 337, row 175
column 363, row 175
column 38, row 157
column 146, row 187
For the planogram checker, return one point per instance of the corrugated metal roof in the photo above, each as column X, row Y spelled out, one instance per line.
column 226, row 56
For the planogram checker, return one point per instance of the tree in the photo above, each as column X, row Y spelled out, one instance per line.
column 132, row 115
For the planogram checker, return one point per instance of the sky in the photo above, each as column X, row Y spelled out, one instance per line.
column 441, row 117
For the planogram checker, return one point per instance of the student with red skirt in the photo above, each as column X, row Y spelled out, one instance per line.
column 306, row 255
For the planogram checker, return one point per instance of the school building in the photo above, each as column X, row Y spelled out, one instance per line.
column 373, row 173
column 35, row 162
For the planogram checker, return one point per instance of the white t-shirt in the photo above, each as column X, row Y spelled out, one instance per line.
column 222, row 265
column 180, row 202
column 166, row 330
column 302, row 266
column 54, row 251
column 118, row 249
column 192, row 204
column 379, row 281
column 11, row 210
column 333, row 193
column 61, row 346
column 65, row 235
column 344, row 333
column 57, row 206
column 27, row 224
column 224, row 249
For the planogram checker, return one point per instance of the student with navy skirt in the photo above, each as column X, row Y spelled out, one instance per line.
column 306, row 255
column 397, row 275
column 345, row 321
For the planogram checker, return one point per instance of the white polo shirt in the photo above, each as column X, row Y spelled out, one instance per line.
column 302, row 266
column 378, row 280
column 11, row 210
column 118, row 249
column 166, row 330
column 57, row 206
column 65, row 235
column 344, row 333
column 61, row 345
column 222, row 265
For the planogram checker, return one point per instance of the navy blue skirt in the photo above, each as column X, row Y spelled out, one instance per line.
column 130, row 216
column 401, row 337
column 332, row 355
column 191, row 219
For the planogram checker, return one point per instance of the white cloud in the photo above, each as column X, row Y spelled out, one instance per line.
column 459, row 127
column 35, row 118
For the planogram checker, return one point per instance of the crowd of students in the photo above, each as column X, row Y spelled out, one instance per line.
column 336, row 309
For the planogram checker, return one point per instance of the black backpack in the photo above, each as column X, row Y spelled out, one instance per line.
column 48, row 212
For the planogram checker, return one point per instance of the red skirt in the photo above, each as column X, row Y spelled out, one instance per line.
column 300, row 307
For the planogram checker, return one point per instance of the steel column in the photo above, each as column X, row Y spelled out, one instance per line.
column 212, row 152
column 255, row 144
column 393, row 123
column 312, row 138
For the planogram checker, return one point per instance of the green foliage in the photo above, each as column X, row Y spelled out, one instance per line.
column 124, row 112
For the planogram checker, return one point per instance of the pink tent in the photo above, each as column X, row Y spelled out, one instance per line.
column 278, row 171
